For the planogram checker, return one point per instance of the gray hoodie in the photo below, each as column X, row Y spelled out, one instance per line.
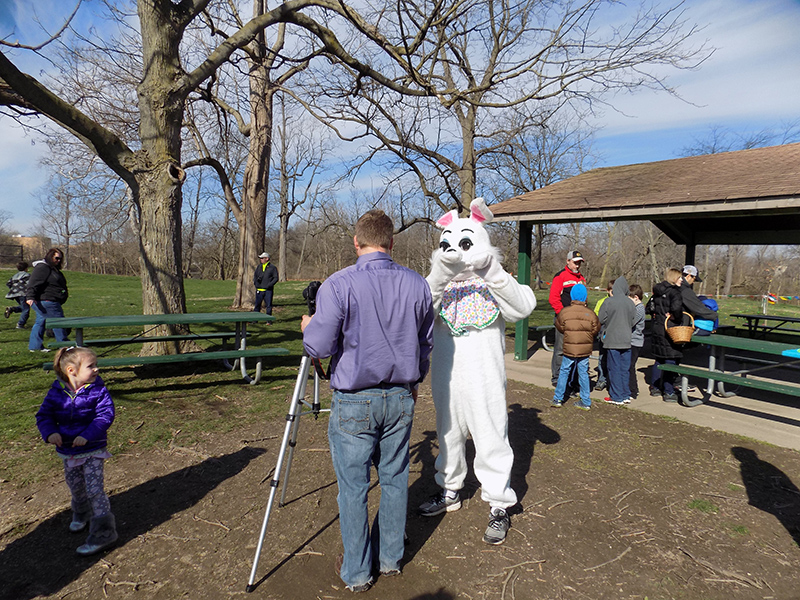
column 618, row 315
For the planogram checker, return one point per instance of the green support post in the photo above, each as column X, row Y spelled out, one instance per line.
column 523, row 277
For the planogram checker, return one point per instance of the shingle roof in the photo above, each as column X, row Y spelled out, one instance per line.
column 730, row 197
column 760, row 173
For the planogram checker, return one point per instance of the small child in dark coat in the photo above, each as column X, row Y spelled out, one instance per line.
column 579, row 325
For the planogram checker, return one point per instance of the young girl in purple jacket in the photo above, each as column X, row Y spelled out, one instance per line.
column 75, row 416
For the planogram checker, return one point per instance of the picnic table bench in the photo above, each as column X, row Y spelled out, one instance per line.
column 238, row 354
column 545, row 331
column 144, row 339
column 716, row 374
column 764, row 324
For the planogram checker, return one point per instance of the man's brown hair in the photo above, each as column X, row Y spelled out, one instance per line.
column 374, row 228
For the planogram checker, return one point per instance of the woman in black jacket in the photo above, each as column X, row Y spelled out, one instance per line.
column 667, row 301
column 47, row 291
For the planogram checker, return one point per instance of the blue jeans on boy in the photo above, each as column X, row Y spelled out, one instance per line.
column 23, row 309
column 582, row 364
column 619, row 373
column 369, row 427
column 45, row 309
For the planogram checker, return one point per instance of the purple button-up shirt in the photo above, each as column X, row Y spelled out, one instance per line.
column 375, row 318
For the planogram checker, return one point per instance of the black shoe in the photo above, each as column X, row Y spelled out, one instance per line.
column 670, row 398
column 655, row 392
column 439, row 503
column 600, row 386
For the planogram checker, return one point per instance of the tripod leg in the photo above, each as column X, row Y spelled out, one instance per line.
column 293, row 442
column 291, row 417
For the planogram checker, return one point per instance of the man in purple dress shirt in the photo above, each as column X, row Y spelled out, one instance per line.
column 375, row 319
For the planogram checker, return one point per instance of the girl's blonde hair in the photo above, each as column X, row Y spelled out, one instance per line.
column 71, row 357
column 672, row 275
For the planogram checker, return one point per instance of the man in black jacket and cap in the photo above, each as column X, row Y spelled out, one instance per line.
column 265, row 278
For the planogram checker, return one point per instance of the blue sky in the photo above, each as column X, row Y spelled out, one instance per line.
column 751, row 83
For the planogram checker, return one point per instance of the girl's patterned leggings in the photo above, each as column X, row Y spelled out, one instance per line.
column 86, row 484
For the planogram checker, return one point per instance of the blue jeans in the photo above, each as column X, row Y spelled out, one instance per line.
column 619, row 374
column 582, row 365
column 23, row 308
column 45, row 309
column 265, row 297
column 369, row 427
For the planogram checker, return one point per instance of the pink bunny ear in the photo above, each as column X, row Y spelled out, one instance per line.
column 446, row 219
column 479, row 212
column 475, row 214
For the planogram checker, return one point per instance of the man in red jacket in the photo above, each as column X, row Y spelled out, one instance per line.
column 559, row 298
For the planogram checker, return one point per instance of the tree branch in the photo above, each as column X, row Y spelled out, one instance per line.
column 101, row 141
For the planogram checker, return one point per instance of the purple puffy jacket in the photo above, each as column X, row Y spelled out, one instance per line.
column 88, row 412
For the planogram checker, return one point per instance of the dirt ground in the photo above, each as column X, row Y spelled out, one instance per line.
column 614, row 504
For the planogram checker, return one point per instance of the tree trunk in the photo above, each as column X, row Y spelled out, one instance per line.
column 611, row 237
column 538, row 242
column 728, row 272
column 466, row 175
column 283, row 233
column 159, row 176
column 255, row 184
column 283, row 194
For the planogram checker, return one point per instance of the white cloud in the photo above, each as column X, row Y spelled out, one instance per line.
column 753, row 74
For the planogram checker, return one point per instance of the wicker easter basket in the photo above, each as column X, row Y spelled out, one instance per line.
column 679, row 334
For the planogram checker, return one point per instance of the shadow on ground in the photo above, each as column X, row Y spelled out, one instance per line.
column 770, row 489
column 43, row 562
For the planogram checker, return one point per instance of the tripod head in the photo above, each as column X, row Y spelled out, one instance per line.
column 310, row 296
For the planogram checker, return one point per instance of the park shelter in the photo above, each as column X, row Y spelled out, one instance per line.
column 743, row 197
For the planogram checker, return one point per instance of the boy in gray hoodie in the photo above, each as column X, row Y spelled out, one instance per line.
column 617, row 316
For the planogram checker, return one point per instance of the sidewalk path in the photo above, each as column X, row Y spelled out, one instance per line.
column 762, row 416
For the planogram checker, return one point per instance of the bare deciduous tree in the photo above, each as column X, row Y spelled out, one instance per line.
column 487, row 56
column 150, row 165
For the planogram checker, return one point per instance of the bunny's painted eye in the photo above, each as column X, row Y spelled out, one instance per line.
column 444, row 245
column 465, row 244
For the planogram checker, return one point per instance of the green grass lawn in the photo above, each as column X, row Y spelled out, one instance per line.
column 155, row 403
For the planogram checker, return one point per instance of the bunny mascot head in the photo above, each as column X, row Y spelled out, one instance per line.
column 464, row 243
column 470, row 289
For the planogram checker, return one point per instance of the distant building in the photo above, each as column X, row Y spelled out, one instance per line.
column 17, row 247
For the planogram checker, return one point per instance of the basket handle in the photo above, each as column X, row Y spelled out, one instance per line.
column 684, row 312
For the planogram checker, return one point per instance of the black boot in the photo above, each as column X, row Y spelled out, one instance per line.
column 102, row 535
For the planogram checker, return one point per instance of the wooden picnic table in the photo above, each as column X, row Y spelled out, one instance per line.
column 770, row 323
column 716, row 373
column 238, row 354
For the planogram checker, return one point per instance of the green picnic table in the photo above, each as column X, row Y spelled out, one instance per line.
column 716, row 373
column 239, row 353
column 764, row 324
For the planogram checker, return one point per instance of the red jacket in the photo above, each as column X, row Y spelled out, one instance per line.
column 560, row 288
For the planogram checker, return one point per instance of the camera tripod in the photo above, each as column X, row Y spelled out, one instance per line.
column 290, row 433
